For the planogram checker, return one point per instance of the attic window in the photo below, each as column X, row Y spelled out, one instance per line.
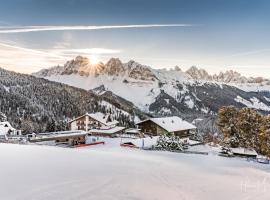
column 172, row 121
column 6, row 125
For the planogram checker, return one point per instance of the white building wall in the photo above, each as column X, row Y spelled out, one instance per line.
column 73, row 126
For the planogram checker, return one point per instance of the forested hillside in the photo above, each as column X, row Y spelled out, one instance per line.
column 36, row 104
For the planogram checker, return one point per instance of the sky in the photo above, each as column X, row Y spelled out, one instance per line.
column 216, row 35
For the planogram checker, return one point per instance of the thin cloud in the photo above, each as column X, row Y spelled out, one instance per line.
column 88, row 51
column 31, row 51
column 25, row 29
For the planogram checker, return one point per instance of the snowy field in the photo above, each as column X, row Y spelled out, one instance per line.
column 107, row 172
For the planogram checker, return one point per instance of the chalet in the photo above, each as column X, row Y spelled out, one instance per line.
column 159, row 126
column 7, row 130
column 91, row 121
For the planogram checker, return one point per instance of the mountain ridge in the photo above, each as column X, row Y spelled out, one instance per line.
column 115, row 66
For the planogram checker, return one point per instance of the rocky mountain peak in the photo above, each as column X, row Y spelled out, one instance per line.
column 177, row 68
column 139, row 71
column 198, row 74
column 114, row 67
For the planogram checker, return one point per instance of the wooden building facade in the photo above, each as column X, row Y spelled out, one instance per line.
column 159, row 126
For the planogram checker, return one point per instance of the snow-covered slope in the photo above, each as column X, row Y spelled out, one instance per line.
column 160, row 92
column 125, row 174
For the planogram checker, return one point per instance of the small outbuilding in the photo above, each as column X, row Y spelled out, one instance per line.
column 244, row 152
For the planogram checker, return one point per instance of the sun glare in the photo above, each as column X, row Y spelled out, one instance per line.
column 94, row 59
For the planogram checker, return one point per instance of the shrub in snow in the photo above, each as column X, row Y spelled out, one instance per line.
column 169, row 142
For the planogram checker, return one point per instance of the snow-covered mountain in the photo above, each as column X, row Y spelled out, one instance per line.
column 228, row 77
column 190, row 94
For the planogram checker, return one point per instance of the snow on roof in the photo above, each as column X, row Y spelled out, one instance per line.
column 102, row 118
column 133, row 131
column 171, row 124
column 108, row 131
column 61, row 132
column 55, row 136
column 243, row 151
column 5, row 127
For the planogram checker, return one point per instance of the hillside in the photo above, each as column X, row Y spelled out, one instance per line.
column 36, row 104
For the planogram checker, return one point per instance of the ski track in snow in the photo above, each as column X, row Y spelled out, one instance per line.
column 107, row 172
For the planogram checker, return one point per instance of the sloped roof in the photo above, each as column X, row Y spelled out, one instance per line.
column 108, row 131
column 244, row 151
column 5, row 127
column 171, row 124
column 102, row 118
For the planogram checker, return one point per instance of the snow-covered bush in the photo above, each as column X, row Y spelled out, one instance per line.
column 169, row 142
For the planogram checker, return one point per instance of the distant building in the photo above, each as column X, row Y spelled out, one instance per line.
column 91, row 121
column 159, row 126
column 64, row 137
column 7, row 130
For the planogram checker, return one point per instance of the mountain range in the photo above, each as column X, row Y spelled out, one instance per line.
column 130, row 91
column 193, row 94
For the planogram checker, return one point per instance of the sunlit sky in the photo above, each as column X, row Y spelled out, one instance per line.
column 213, row 34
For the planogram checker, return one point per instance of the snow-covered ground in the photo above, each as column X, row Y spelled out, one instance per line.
column 42, row 172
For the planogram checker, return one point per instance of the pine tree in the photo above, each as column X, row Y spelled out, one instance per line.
column 248, row 123
column 245, row 128
column 227, row 124
column 264, row 137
